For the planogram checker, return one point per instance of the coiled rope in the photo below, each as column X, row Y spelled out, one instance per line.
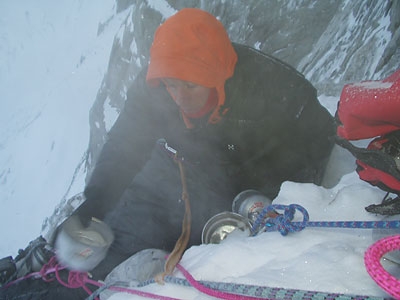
column 372, row 259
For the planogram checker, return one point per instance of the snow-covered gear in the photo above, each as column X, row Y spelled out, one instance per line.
column 193, row 46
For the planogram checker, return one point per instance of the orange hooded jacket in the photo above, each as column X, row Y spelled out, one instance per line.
column 193, row 46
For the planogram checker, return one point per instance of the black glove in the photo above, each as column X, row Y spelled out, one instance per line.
column 89, row 208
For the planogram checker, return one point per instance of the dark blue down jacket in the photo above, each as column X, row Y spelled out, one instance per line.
column 275, row 130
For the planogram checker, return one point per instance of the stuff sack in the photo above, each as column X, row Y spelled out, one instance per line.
column 371, row 109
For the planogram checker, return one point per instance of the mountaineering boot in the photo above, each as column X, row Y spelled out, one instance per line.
column 7, row 270
column 33, row 257
column 29, row 260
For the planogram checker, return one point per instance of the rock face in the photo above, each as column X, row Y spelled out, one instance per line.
column 331, row 42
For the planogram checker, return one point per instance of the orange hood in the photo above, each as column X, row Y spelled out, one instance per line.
column 193, row 46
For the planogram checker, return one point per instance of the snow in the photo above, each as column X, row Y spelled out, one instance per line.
column 48, row 83
column 163, row 7
column 373, row 85
column 315, row 259
column 49, row 78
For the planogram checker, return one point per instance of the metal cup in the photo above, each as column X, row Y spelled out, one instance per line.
column 221, row 225
column 82, row 249
column 250, row 203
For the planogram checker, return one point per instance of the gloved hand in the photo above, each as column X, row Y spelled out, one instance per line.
column 84, row 214
column 89, row 208
column 85, row 220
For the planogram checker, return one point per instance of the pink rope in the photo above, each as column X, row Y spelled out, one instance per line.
column 46, row 269
column 76, row 280
column 372, row 258
column 79, row 280
column 211, row 292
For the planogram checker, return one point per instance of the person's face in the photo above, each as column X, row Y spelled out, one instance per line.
column 190, row 97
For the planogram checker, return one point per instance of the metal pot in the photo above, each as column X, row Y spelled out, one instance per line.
column 221, row 225
column 82, row 248
column 250, row 203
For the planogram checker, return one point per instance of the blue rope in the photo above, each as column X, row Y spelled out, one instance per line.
column 283, row 222
column 264, row 292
